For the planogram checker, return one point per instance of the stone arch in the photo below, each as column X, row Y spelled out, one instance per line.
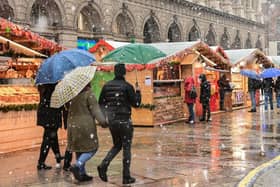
column 259, row 43
column 225, row 39
column 210, row 37
column 54, row 9
column 6, row 10
column 90, row 12
column 124, row 22
column 194, row 33
column 237, row 41
column 174, row 31
column 151, row 31
column 248, row 42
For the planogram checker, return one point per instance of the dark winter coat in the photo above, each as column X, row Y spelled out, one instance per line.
column 205, row 90
column 81, row 130
column 46, row 116
column 223, row 84
column 253, row 84
column 117, row 97
column 189, row 83
column 268, row 85
column 277, row 86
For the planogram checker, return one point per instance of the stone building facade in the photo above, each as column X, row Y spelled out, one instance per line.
column 229, row 23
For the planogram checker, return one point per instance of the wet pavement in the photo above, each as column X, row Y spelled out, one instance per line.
column 219, row 153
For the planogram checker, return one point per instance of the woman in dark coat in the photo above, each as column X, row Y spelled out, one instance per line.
column 50, row 119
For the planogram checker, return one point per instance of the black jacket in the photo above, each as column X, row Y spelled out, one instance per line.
column 268, row 85
column 224, row 85
column 46, row 116
column 254, row 84
column 117, row 97
column 205, row 91
column 277, row 86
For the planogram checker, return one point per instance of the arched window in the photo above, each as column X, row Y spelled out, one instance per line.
column 124, row 22
column 248, row 43
column 210, row 38
column 194, row 33
column 46, row 12
column 6, row 11
column 151, row 31
column 89, row 19
column 259, row 43
column 237, row 41
column 225, row 39
column 174, row 33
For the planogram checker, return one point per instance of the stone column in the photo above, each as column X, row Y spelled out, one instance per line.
column 68, row 38
column 227, row 6
column 238, row 9
column 250, row 12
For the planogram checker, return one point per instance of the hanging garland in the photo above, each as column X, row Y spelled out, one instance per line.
column 19, row 107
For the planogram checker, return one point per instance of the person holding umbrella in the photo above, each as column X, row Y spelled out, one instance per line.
column 83, row 111
column 277, row 91
column 267, row 87
column 117, row 97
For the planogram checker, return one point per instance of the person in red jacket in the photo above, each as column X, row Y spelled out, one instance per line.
column 189, row 84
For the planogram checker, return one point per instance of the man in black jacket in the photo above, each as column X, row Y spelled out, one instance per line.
column 253, row 85
column 117, row 97
column 267, row 87
column 205, row 94
column 223, row 84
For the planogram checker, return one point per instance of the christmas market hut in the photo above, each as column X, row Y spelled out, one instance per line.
column 249, row 59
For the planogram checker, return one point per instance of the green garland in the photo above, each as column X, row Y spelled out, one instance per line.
column 18, row 107
column 148, row 106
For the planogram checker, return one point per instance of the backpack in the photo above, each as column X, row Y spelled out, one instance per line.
column 193, row 93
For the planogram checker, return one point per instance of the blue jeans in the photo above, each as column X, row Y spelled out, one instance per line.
column 82, row 158
column 268, row 97
column 191, row 112
column 253, row 99
column 278, row 100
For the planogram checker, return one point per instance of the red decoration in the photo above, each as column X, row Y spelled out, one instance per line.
column 101, row 43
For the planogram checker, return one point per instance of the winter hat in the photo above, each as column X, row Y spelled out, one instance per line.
column 120, row 70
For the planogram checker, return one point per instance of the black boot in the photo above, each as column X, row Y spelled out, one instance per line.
column 76, row 172
column 86, row 177
column 202, row 119
column 43, row 166
column 102, row 173
column 128, row 180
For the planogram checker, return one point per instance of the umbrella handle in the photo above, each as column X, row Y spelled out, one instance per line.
column 136, row 84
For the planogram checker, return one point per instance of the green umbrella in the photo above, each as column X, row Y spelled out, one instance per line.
column 134, row 54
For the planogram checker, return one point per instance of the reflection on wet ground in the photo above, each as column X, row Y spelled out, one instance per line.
column 219, row 153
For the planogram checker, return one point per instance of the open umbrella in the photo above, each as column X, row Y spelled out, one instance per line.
column 71, row 85
column 270, row 72
column 134, row 54
column 53, row 69
column 250, row 73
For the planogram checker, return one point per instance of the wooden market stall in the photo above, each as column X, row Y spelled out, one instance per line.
column 245, row 58
column 162, row 81
column 21, row 53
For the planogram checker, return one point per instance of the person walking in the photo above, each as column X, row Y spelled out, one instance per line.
column 50, row 119
column 223, row 84
column 267, row 87
column 253, row 85
column 68, row 154
column 117, row 97
column 81, row 131
column 190, row 97
column 205, row 94
column 277, row 93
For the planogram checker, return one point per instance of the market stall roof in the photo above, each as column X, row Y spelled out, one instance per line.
column 220, row 51
column 171, row 48
column 111, row 45
column 236, row 56
column 20, row 49
column 27, row 38
column 275, row 60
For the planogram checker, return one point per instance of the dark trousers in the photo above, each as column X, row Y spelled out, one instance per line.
column 67, row 158
column 206, row 109
column 191, row 112
column 122, row 133
column 222, row 99
column 50, row 140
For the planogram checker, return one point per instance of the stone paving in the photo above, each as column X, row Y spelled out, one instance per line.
column 219, row 153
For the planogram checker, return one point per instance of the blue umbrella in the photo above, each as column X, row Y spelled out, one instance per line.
column 270, row 72
column 250, row 73
column 53, row 69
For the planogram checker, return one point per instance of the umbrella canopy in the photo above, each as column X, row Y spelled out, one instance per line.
column 53, row 69
column 134, row 54
column 71, row 85
column 270, row 72
column 250, row 73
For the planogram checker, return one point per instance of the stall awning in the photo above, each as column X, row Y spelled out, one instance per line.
column 20, row 49
column 236, row 56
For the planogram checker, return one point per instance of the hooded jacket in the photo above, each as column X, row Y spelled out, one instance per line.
column 118, row 96
column 189, row 83
column 205, row 89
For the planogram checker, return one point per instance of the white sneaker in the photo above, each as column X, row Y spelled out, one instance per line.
column 191, row 122
column 57, row 166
